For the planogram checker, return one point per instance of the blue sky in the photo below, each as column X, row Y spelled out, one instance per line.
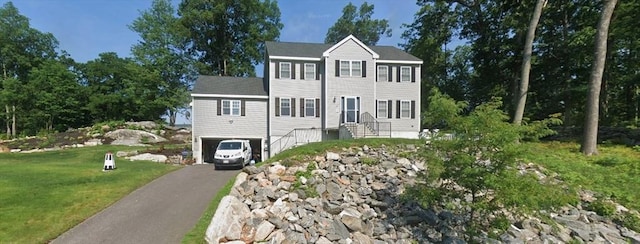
column 86, row 28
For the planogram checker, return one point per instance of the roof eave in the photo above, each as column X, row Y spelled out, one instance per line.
column 350, row 37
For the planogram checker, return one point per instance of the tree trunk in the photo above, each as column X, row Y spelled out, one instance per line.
column 8, row 121
column 173, row 114
column 590, row 136
column 13, row 126
column 526, row 63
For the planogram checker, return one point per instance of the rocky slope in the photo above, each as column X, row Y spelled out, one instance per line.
column 354, row 197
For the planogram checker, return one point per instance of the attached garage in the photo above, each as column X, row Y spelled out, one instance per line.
column 209, row 147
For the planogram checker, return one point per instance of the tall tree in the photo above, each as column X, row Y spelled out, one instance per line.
column 359, row 23
column 227, row 36
column 590, row 136
column 163, row 50
column 521, row 97
column 21, row 49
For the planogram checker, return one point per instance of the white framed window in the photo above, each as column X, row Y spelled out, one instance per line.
column 405, row 74
column 383, row 73
column 405, row 109
column 350, row 68
column 382, row 109
column 356, row 68
column 309, row 107
column 345, row 68
column 285, row 106
column 285, row 70
column 309, row 71
column 231, row 107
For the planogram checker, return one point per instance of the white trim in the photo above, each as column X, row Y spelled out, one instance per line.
column 398, row 61
column 386, row 109
column 304, row 71
column 294, row 58
column 410, row 71
column 200, row 159
column 229, row 96
column 290, row 107
column 401, row 102
column 305, row 107
column 378, row 72
column 350, row 37
column 350, row 61
column 290, row 70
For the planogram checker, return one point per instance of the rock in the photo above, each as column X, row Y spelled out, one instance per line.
column 132, row 137
column 350, row 160
column 360, row 238
column 148, row 157
column 147, row 125
column 228, row 221
column 353, row 223
column 332, row 156
column 264, row 230
column 4, row 149
column 122, row 154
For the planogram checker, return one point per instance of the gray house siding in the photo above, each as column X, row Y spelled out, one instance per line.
column 337, row 87
column 394, row 91
column 295, row 89
column 208, row 124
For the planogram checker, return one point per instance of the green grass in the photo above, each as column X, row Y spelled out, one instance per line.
column 44, row 194
column 615, row 172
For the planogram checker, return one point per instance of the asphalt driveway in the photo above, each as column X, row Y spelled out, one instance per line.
column 162, row 211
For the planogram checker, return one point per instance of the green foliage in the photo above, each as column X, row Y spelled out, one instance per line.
column 527, row 193
column 441, row 109
column 358, row 22
column 227, row 37
column 369, row 161
column 603, row 207
column 631, row 221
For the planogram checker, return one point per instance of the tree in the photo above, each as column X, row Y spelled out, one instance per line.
column 21, row 49
column 163, row 50
column 358, row 22
column 590, row 136
column 227, row 36
column 521, row 97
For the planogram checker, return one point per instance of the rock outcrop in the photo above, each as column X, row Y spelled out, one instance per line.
column 132, row 137
column 354, row 197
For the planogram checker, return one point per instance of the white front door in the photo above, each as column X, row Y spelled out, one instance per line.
column 350, row 109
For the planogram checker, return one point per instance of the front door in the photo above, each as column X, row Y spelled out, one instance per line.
column 350, row 109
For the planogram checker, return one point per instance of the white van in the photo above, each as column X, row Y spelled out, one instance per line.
column 232, row 153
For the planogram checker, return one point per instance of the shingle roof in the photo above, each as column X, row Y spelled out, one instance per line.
column 315, row 50
column 225, row 85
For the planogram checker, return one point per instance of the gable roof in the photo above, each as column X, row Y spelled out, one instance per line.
column 316, row 50
column 346, row 39
column 229, row 86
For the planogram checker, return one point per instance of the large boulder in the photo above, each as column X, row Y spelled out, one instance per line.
column 133, row 137
column 228, row 221
column 147, row 125
column 149, row 157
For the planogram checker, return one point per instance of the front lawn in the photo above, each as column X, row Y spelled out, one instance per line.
column 44, row 194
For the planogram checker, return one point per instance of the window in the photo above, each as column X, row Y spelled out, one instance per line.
column 285, row 106
column 231, row 107
column 356, row 68
column 309, row 107
column 383, row 73
column 382, row 109
column 285, row 70
column 405, row 74
column 345, row 68
column 405, row 109
column 351, row 68
column 309, row 71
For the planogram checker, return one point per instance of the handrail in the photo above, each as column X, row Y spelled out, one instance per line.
column 293, row 138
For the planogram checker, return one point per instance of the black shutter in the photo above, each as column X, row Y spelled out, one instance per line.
column 277, row 70
column 413, row 109
column 358, row 108
column 398, row 109
column 342, row 109
column 293, row 107
column 293, row 71
column 389, row 74
column 219, row 107
column 277, row 106
column 398, row 69
column 389, row 109
column 337, row 68
column 242, row 108
column 376, row 114
column 364, row 68
column 302, row 104
column 317, row 71
column 413, row 74
column 317, row 107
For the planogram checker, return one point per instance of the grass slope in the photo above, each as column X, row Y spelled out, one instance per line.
column 44, row 194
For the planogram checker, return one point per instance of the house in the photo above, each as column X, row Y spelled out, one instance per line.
column 310, row 92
